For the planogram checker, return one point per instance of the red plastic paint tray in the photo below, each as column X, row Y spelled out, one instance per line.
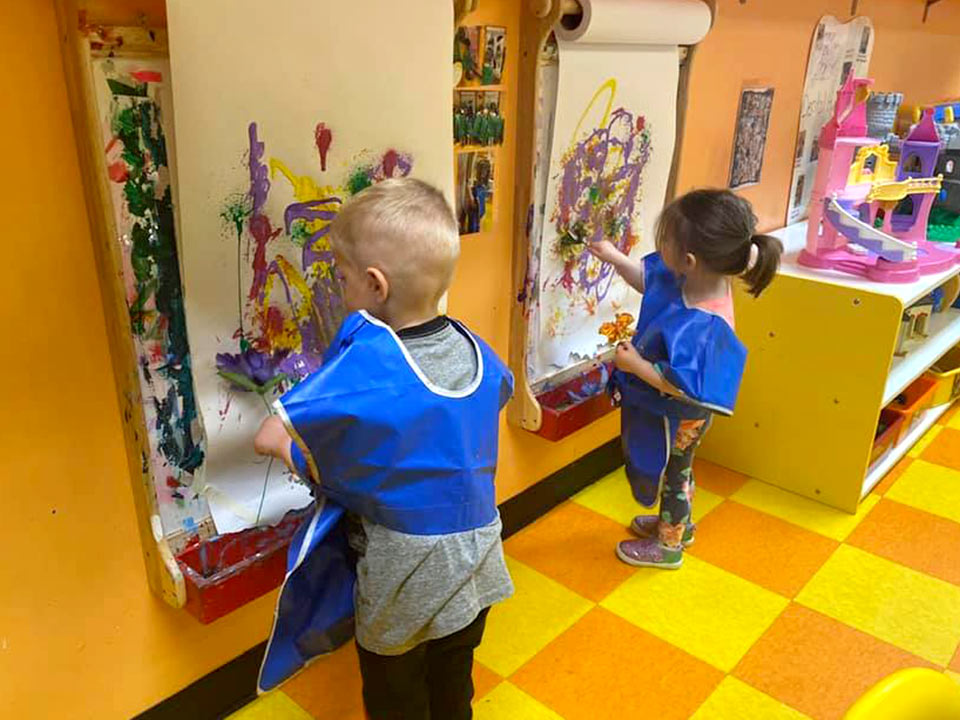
column 568, row 407
column 227, row 571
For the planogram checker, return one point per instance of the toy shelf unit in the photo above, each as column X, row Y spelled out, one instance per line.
column 869, row 213
column 822, row 366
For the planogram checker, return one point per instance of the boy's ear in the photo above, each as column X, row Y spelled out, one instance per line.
column 378, row 284
column 691, row 261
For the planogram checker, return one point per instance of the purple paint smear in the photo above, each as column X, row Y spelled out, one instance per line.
column 600, row 185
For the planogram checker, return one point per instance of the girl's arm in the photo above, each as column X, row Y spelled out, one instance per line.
column 629, row 360
column 630, row 271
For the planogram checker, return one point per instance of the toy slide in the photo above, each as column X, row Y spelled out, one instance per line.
column 899, row 190
column 867, row 236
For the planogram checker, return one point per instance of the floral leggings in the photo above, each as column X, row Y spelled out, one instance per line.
column 676, row 495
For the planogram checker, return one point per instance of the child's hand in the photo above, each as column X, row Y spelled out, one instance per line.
column 272, row 438
column 604, row 250
column 627, row 358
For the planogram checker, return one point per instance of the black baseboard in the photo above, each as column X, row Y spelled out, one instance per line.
column 231, row 686
column 539, row 499
column 215, row 695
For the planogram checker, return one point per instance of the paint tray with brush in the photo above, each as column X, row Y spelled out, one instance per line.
column 575, row 403
column 226, row 571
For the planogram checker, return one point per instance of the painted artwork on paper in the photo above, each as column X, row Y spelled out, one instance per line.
column 131, row 101
column 266, row 162
column 598, row 196
column 289, row 304
column 837, row 48
column 750, row 140
column 288, row 296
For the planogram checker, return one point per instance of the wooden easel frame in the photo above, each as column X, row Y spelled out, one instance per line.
column 163, row 573
column 537, row 20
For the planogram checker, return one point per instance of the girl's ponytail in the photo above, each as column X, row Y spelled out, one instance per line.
column 761, row 272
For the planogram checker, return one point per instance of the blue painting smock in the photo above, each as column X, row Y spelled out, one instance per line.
column 697, row 352
column 388, row 445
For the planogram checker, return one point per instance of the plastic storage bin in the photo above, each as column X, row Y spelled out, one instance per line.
column 946, row 374
column 911, row 403
column 888, row 431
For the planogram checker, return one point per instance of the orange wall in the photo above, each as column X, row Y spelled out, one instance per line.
column 80, row 635
column 482, row 295
column 767, row 42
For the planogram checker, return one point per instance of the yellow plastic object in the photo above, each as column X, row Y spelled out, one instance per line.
column 899, row 190
column 946, row 373
column 884, row 168
column 948, row 115
column 912, row 694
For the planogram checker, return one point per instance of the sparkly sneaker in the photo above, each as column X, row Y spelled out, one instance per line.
column 648, row 552
column 645, row 526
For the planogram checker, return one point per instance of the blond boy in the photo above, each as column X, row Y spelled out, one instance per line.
column 400, row 427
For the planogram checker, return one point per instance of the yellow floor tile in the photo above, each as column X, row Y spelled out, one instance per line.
column 923, row 442
column 801, row 511
column 519, row 628
column 735, row 700
column 274, row 706
column 906, row 608
column 930, row 487
column 508, row 702
column 708, row 612
column 611, row 496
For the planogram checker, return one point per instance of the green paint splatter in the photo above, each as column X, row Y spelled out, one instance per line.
column 119, row 88
column 359, row 180
column 156, row 274
column 300, row 232
column 238, row 208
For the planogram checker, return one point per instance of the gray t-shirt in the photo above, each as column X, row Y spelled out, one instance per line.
column 415, row 588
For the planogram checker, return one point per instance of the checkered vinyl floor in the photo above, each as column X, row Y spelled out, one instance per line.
column 784, row 608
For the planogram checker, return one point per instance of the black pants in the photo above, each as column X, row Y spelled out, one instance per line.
column 431, row 681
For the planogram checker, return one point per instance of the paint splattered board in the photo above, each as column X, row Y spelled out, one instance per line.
column 135, row 122
column 610, row 154
column 283, row 111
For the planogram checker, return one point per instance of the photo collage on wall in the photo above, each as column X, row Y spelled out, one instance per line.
column 478, row 123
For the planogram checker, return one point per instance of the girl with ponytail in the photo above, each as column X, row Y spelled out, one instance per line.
column 685, row 362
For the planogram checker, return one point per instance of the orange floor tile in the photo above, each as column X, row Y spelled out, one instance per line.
column 717, row 479
column 616, row 641
column 753, row 545
column 911, row 537
column 605, row 667
column 330, row 686
column 945, row 448
column 817, row 665
column 587, row 564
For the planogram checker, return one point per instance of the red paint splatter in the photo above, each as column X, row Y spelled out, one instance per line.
column 323, row 137
column 118, row 171
column 148, row 76
column 389, row 162
column 273, row 324
column 172, row 482
column 641, row 123
column 262, row 233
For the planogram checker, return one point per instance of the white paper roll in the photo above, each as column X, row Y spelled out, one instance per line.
column 614, row 118
column 638, row 22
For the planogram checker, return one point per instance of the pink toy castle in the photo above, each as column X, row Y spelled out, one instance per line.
column 868, row 214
